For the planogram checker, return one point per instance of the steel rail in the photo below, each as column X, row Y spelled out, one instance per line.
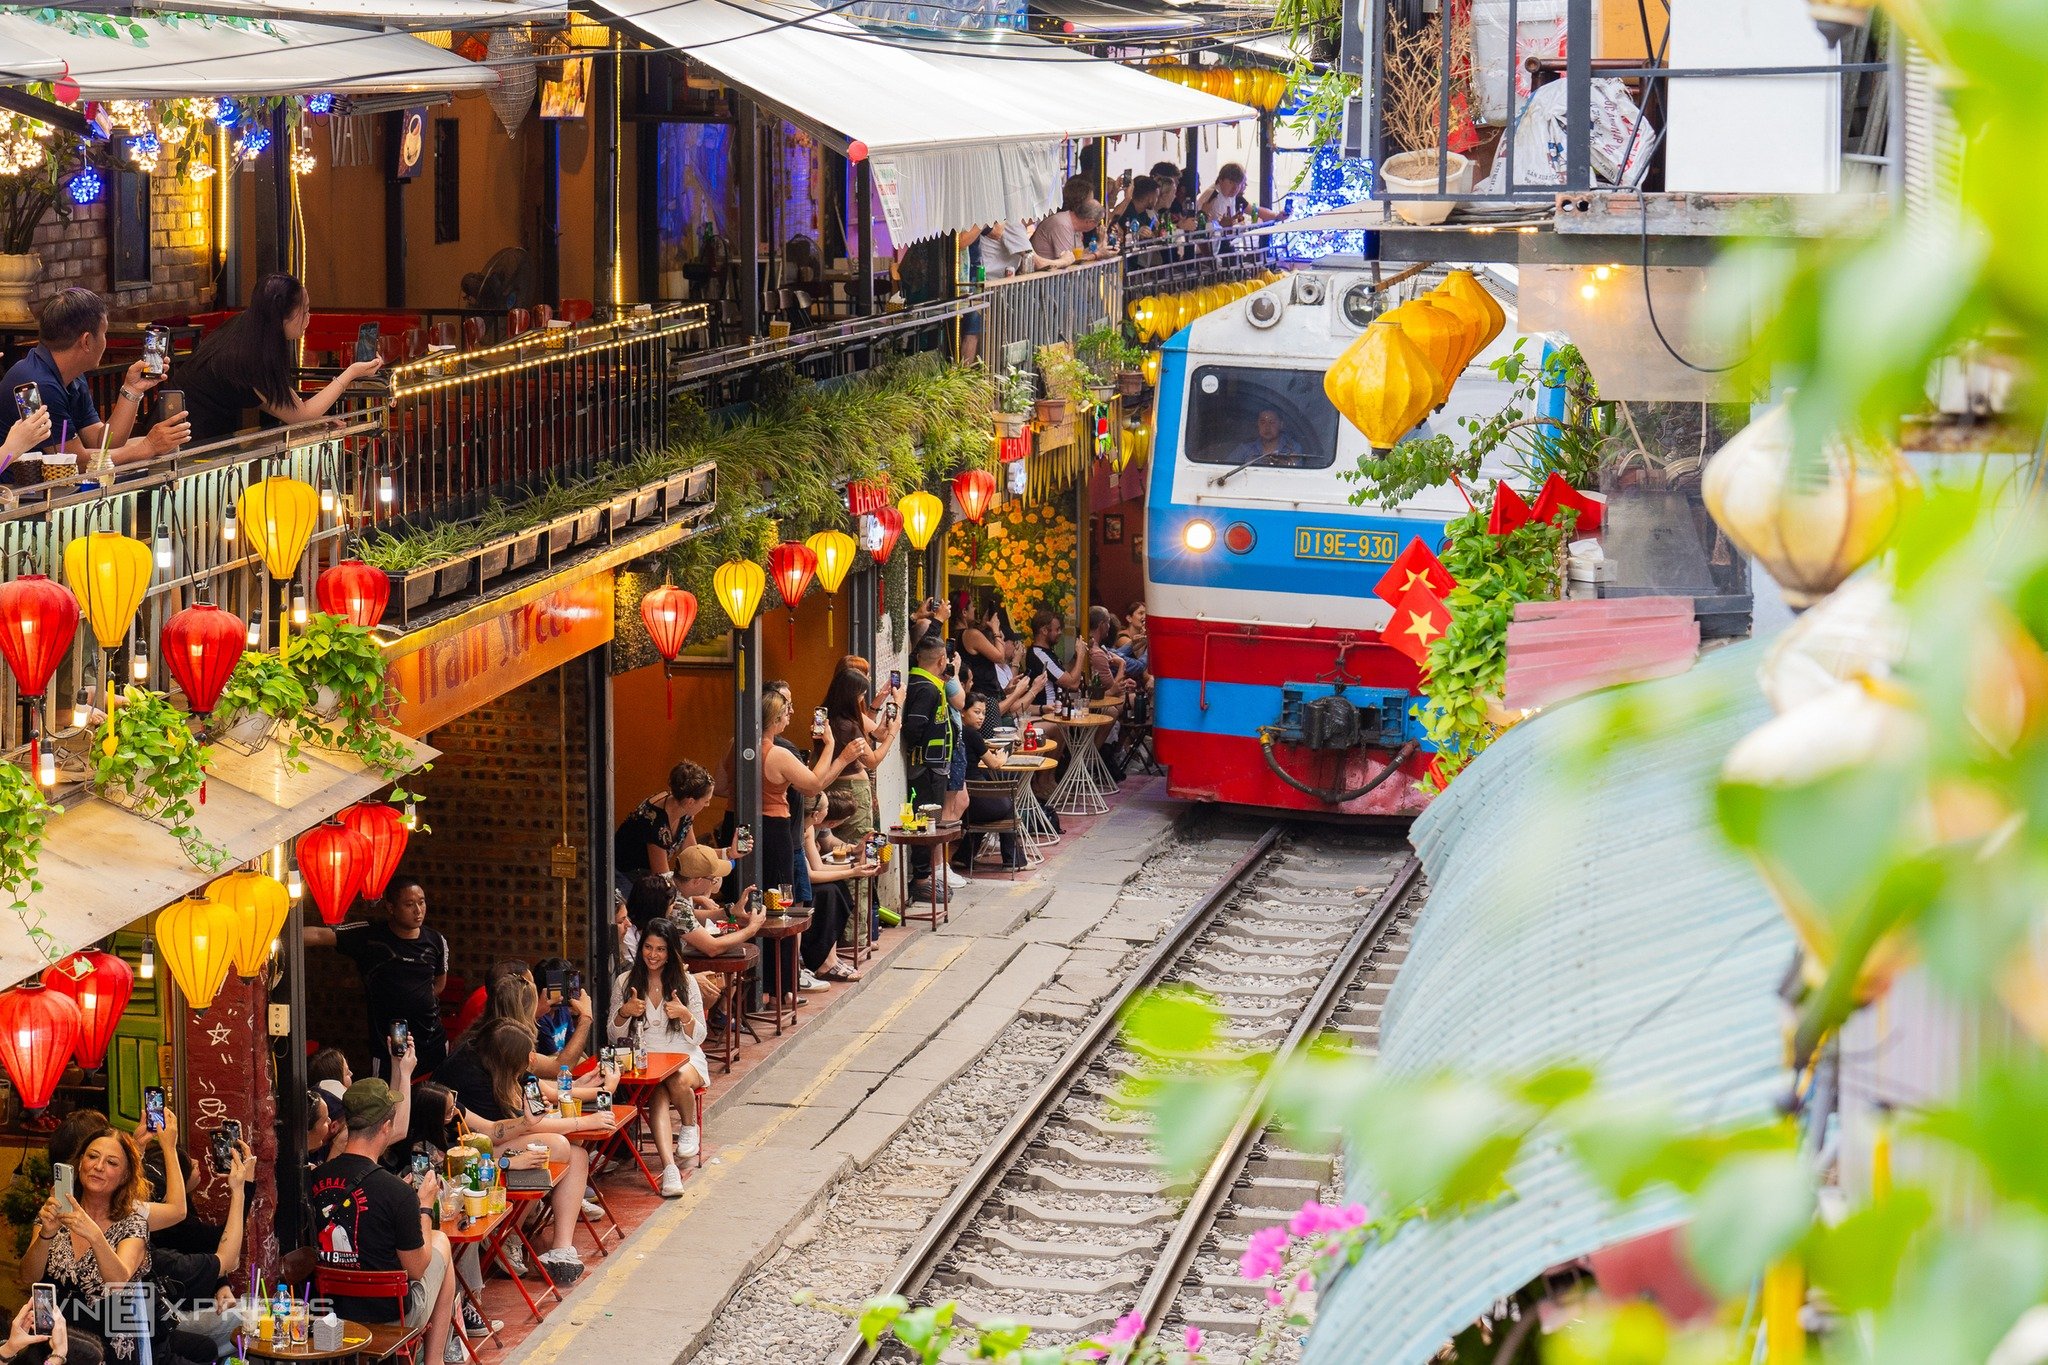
column 922, row 1260
column 1177, row 1257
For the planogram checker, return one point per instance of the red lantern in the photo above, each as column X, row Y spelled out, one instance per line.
column 353, row 591
column 888, row 527
column 668, row 613
column 100, row 984
column 37, row 620
column 201, row 646
column 383, row 828
column 38, row 1033
column 975, row 489
column 333, row 861
column 865, row 499
column 791, row 564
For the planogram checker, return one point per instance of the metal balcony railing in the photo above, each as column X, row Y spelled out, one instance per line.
column 1221, row 256
column 1024, row 312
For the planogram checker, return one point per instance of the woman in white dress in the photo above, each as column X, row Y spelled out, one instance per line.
column 660, row 1008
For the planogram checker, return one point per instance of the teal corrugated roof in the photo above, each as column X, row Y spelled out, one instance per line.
column 1584, row 912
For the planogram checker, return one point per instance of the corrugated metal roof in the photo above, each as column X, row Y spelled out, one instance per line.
column 1576, row 912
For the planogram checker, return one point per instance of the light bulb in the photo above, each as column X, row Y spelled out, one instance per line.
column 227, row 525
column 163, row 548
column 386, row 491
column 255, row 635
column 148, row 959
column 326, row 497
column 46, row 768
column 411, row 820
column 138, row 665
column 1589, row 292
column 298, row 609
column 292, row 885
column 81, row 710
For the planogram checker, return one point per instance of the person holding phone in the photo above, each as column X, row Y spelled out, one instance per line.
column 191, row 1282
column 403, row 965
column 848, row 717
column 251, row 361
column 71, row 340
column 661, row 826
column 94, row 1240
column 28, row 1344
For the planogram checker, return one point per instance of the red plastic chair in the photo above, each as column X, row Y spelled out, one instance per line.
column 573, row 311
column 331, row 1282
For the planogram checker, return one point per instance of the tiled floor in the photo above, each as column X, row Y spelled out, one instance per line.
column 626, row 1190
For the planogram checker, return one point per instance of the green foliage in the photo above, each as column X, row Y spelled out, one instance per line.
column 1105, row 352
column 1529, row 443
column 23, row 816
column 147, row 749
column 925, row 1334
column 262, row 685
column 1468, row 662
column 1064, row 377
column 25, row 1195
column 1015, row 390
column 344, row 659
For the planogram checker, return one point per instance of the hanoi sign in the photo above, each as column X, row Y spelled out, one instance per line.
column 449, row 676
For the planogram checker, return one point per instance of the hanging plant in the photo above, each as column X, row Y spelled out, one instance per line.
column 148, row 751
column 262, row 685
column 338, row 664
column 23, row 815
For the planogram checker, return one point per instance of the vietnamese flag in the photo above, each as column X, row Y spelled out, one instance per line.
column 1510, row 511
column 1557, row 495
column 1415, row 567
column 1418, row 620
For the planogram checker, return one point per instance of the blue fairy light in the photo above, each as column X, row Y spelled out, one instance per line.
column 86, row 187
column 226, row 112
column 322, row 103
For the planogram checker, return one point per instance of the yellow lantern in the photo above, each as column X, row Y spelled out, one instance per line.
column 108, row 573
column 259, row 905
column 921, row 516
column 1382, row 384
column 280, row 516
column 1437, row 334
column 738, row 585
column 197, row 937
column 835, row 551
column 1473, row 323
column 1241, row 85
column 1183, row 311
column 1466, row 286
column 1811, row 523
column 1150, row 366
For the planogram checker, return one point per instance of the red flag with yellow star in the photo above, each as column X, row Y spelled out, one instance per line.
column 1415, row 567
column 1419, row 618
column 1510, row 510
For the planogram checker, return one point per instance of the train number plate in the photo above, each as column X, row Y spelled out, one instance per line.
column 1363, row 547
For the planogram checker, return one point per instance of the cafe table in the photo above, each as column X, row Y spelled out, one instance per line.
column 1085, row 786
column 485, row 1234
column 515, row 1202
column 355, row 1339
column 781, row 963
column 1034, row 826
column 633, row 1092
column 734, row 964
column 938, row 839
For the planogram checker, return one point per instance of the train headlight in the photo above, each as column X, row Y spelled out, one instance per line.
column 1198, row 536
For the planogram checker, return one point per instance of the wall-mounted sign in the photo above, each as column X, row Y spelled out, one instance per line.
column 447, row 677
column 412, row 144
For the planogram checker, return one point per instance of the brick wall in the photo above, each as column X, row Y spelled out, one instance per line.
column 78, row 251
column 494, row 808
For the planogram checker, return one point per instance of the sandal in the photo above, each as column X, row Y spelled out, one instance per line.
column 838, row 973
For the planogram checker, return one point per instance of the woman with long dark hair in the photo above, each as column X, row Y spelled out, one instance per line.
column 848, row 718
column 661, row 1009
column 252, row 361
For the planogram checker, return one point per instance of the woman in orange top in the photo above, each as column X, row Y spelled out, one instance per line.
column 782, row 770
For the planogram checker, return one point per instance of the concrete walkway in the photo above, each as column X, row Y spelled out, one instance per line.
column 832, row 1097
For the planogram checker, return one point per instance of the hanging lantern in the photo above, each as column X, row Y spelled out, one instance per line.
column 108, row 573
column 37, row 620
column 280, row 516
column 1473, row 324
column 1150, row 366
column 739, row 584
column 38, row 1034
column 792, row 566
column 197, row 939
column 1465, row 285
column 1810, row 523
column 835, row 551
column 922, row 514
column 1438, row 334
column 668, row 612
column 259, row 905
column 334, row 860
column 384, row 829
column 201, row 646
column 1382, row 384
column 353, row 591
column 975, row 489
column 100, row 984
column 885, row 526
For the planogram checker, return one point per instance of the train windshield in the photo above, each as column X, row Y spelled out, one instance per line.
column 1280, row 419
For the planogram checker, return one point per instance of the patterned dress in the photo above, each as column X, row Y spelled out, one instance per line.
column 82, row 1291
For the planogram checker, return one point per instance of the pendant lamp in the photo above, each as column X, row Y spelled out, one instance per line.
column 353, row 591
column 197, row 939
column 835, row 552
column 922, row 515
column 884, row 526
column 792, row 566
column 668, row 612
column 201, row 646
column 100, row 984
column 333, row 860
column 739, row 584
column 384, row 829
column 280, row 516
column 37, row 622
column 259, row 905
column 38, row 1035
column 108, row 573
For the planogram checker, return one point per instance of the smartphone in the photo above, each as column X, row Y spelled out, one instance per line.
column 820, row 719
column 553, row 983
column 156, row 352
column 572, row 985
column 170, row 403
column 896, row 677
column 421, row 1164
column 64, row 1186
column 27, row 398
column 366, row 342
column 222, row 1147
column 757, row 901
column 153, row 1108
column 401, row 1036
column 743, row 839
column 536, row 1102
column 44, row 1297
column 889, row 712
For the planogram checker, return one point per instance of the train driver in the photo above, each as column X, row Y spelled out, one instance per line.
column 1273, row 445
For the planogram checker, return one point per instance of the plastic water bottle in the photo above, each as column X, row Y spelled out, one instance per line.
column 564, row 1081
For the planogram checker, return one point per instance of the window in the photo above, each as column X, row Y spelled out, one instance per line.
column 447, row 179
column 129, row 219
column 1237, row 414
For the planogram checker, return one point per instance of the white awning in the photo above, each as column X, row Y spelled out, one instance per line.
column 104, row 867
column 406, row 14
column 968, row 131
column 195, row 57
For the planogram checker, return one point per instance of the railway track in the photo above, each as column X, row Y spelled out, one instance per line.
column 1066, row 1220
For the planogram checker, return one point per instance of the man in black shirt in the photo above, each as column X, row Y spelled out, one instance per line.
column 927, row 743
column 404, row 965
column 366, row 1218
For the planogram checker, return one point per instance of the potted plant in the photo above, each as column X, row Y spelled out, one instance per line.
column 26, row 197
column 23, row 814
column 1065, row 379
column 1014, row 389
column 149, row 755
column 340, row 666
column 1412, row 95
column 1113, row 360
column 261, row 694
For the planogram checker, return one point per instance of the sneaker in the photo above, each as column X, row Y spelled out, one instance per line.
column 454, row 1353
column 592, row 1209
column 671, row 1182
column 808, row 982
column 563, row 1265
column 473, row 1324
column 687, row 1142
column 515, row 1256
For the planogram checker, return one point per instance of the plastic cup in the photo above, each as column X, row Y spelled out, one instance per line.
column 476, row 1203
column 571, row 1107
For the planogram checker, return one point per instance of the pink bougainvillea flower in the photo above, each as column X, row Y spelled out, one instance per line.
column 1194, row 1338
column 1127, row 1329
column 1264, row 1255
column 1275, row 1297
